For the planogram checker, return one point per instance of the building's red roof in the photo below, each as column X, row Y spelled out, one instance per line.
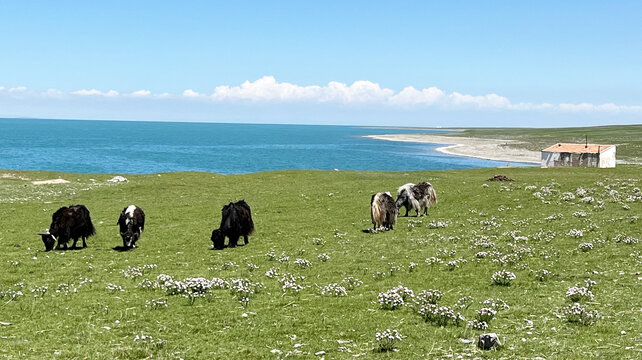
column 577, row 148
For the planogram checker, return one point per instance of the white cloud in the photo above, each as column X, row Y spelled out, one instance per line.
column 17, row 89
column 94, row 92
column 268, row 90
column 141, row 93
column 191, row 93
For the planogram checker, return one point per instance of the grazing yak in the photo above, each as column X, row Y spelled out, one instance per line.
column 236, row 221
column 71, row 222
column 417, row 197
column 383, row 211
column 132, row 224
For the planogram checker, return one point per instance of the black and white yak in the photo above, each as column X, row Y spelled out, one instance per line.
column 236, row 221
column 417, row 197
column 383, row 211
column 132, row 224
column 71, row 222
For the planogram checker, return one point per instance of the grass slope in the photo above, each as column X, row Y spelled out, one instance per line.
column 300, row 215
column 628, row 138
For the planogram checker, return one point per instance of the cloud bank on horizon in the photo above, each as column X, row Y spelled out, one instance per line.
column 363, row 93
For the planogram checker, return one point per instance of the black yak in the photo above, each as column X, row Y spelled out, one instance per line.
column 383, row 211
column 132, row 224
column 71, row 222
column 236, row 221
column 416, row 197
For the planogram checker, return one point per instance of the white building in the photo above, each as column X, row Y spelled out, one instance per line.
column 579, row 155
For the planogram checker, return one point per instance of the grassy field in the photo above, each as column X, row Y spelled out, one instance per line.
column 628, row 138
column 97, row 303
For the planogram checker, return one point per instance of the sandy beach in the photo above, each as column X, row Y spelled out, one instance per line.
column 491, row 149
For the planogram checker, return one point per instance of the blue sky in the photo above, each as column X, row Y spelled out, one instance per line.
column 494, row 63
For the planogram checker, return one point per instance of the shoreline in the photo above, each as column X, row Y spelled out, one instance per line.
column 487, row 149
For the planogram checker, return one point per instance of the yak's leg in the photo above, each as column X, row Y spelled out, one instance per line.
column 233, row 242
column 84, row 242
column 247, row 241
column 74, row 245
column 406, row 211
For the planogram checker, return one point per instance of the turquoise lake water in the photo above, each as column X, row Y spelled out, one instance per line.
column 129, row 147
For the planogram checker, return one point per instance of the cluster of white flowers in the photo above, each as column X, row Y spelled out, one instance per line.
column 303, row 263
column 318, row 241
column 430, row 296
column 542, row 274
column 490, row 224
column 334, row 289
column 283, row 258
column 530, row 187
column 464, row 302
column 271, row 255
column 39, row 291
column 190, row 288
column 440, row 315
column 433, row 260
column 114, row 287
column 577, row 313
column 567, row 196
column 478, row 325
column 351, row 282
column 323, row 257
column 412, row 266
column 394, row 298
column 242, row 289
column 496, row 304
column 289, row 283
column 580, row 214
column 586, row 247
column 454, row 264
column 66, row 288
column 576, row 233
column 554, row 217
column 621, row 238
column 486, row 314
column 10, row 294
column 251, row 267
column 446, row 252
column 156, row 303
column 587, row 199
column 577, row 294
column 503, row 277
column 387, row 339
column 148, row 340
column 272, row 272
column 137, row 271
column 393, row 268
column 438, row 224
column 484, row 243
column 580, row 191
column 229, row 265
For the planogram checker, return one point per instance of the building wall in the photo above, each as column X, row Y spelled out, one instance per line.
column 565, row 159
column 607, row 158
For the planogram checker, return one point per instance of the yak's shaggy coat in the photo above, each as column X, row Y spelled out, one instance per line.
column 417, row 197
column 236, row 221
column 71, row 222
column 383, row 211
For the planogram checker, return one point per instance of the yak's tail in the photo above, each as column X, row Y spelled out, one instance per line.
column 377, row 213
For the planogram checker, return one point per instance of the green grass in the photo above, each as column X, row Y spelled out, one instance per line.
column 290, row 210
column 628, row 138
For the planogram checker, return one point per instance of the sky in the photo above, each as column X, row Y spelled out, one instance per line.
column 390, row 63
